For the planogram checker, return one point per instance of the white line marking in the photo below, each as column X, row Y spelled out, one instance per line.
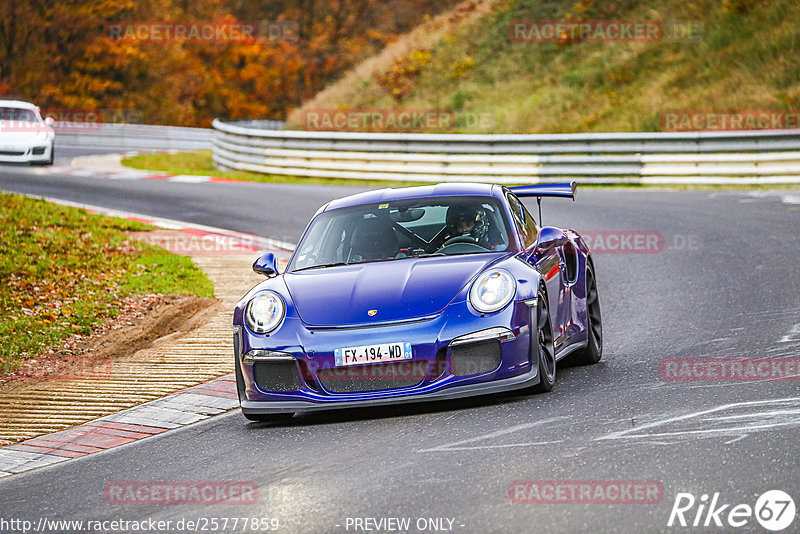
column 456, row 446
column 744, row 416
column 482, row 447
column 189, row 179
column 792, row 336
column 769, row 419
column 734, row 440
column 770, row 196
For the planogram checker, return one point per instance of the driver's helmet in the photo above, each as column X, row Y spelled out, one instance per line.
column 467, row 220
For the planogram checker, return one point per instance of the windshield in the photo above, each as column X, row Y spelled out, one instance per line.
column 17, row 115
column 404, row 229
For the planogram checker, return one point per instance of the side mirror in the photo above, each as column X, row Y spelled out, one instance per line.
column 550, row 237
column 49, row 121
column 266, row 265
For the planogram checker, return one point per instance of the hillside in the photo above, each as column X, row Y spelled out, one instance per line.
column 740, row 55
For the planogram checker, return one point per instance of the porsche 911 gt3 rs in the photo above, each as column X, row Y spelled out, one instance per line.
column 415, row 294
column 24, row 136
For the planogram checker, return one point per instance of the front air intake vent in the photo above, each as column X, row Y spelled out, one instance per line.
column 277, row 376
column 475, row 358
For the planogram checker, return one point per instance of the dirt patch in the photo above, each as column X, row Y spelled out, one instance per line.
column 144, row 321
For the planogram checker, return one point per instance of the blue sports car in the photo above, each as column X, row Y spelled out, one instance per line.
column 417, row 294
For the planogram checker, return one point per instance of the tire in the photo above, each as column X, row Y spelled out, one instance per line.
column 594, row 347
column 542, row 347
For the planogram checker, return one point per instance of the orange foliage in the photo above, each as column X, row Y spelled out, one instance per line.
column 61, row 55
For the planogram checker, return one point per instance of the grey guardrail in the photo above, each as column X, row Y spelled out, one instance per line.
column 258, row 124
column 674, row 157
column 132, row 136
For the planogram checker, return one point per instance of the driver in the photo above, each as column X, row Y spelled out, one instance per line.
column 468, row 221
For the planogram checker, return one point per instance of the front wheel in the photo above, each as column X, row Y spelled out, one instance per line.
column 542, row 347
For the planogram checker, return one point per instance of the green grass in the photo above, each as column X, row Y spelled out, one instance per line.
column 167, row 274
column 200, row 163
column 64, row 271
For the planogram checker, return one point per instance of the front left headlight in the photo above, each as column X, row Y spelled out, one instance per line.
column 41, row 135
column 492, row 291
column 264, row 312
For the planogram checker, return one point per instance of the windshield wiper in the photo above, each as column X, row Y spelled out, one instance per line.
column 321, row 266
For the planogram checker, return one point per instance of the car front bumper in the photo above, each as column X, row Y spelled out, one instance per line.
column 525, row 380
column 439, row 370
column 37, row 153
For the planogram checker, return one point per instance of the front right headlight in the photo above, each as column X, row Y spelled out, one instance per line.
column 264, row 312
column 492, row 291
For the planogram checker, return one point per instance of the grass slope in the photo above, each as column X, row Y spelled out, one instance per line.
column 745, row 58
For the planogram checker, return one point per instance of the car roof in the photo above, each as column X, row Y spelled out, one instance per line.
column 438, row 190
column 17, row 104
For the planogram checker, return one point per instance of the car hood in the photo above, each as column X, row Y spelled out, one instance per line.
column 396, row 290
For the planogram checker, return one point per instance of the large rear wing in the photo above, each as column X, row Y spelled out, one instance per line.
column 562, row 190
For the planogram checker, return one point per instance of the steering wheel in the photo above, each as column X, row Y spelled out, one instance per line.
column 460, row 239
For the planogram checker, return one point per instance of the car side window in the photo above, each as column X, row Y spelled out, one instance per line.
column 531, row 227
column 523, row 221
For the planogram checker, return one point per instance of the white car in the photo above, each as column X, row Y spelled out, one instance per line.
column 24, row 136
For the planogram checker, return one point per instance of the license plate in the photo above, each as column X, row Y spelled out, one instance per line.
column 385, row 352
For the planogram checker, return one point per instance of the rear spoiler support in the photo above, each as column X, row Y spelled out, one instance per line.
column 539, row 203
column 560, row 190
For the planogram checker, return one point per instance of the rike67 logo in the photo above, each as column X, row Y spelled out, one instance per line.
column 774, row 510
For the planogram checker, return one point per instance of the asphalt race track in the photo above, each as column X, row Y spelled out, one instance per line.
column 724, row 282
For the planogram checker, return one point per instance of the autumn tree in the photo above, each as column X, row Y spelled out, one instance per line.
column 60, row 54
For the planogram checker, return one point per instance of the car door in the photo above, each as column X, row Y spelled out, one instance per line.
column 551, row 264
